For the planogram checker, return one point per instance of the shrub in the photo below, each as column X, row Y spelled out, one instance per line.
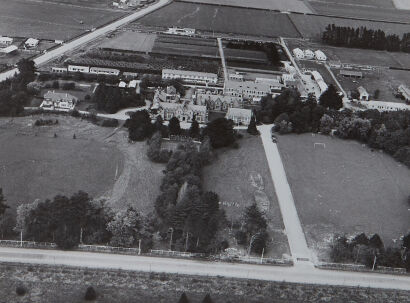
column 21, row 290
column 68, row 86
column 75, row 113
column 109, row 123
column 90, row 294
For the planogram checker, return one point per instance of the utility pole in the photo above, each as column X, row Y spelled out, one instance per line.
column 139, row 246
column 21, row 238
column 170, row 241
column 263, row 250
column 81, row 235
column 374, row 262
column 186, row 241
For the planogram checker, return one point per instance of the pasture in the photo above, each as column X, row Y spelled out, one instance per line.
column 345, row 188
column 360, row 11
column 23, row 18
column 241, row 177
column 402, row 4
column 313, row 26
column 35, row 165
column 213, row 18
column 281, row 5
column 362, row 3
column 130, row 41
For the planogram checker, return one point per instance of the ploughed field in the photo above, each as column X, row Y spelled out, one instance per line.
column 213, row 18
column 345, row 188
column 47, row 20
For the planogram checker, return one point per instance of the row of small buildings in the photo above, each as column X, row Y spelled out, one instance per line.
column 309, row 54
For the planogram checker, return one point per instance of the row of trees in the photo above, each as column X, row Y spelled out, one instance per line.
column 112, row 98
column 370, row 251
column 68, row 221
column 13, row 92
column 365, row 38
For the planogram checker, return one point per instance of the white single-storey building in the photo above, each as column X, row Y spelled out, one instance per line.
column 8, row 49
column 31, row 43
column 56, row 69
column 190, row 76
column 319, row 55
column 309, row 54
column 386, row 106
column 181, row 31
column 104, row 71
column 298, row 53
column 78, row 68
column 6, row 41
column 405, row 91
column 364, row 95
column 239, row 115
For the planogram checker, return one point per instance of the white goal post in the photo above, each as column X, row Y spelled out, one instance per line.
column 319, row 144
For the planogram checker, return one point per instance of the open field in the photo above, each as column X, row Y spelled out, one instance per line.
column 313, row 26
column 213, row 18
column 22, row 18
column 402, row 4
column 86, row 3
column 363, row 3
column 131, row 41
column 345, row 188
column 100, row 161
column 46, row 284
column 240, row 177
column 356, row 11
column 281, row 5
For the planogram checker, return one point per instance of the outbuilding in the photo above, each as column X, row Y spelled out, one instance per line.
column 298, row 53
column 6, row 41
column 309, row 54
column 31, row 43
column 363, row 94
column 319, row 55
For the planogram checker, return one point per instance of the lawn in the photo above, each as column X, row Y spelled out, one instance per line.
column 238, row 176
column 47, row 20
column 345, row 188
column 313, row 26
column 213, row 18
column 35, row 165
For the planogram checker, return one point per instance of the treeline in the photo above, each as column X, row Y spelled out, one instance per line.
column 69, row 221
column 365, row 38
column 14, row 94
column 111, row 98
column 269, row 48
column 387, row 131
column 370, row 251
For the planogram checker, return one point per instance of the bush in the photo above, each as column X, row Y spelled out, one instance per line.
column 21, row 290
column 68, row 86
column 75, row 113
column 90, row 294
column 109, row 123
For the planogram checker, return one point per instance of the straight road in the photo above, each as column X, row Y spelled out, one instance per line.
column 203, row 268
column 293, row 227
column 88, row 37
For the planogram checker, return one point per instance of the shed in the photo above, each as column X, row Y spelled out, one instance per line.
column 351, row 73
column 364, row 95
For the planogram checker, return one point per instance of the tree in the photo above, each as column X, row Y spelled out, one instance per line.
column 252, row 126
column 254, row 220
column 183, row 298
column 139, row 126
column 128, row 227
column 90, row 294
column 326, row 124
column 331, row 99
column 194, row 130
column 220, row 132
column 3, row 205
column 376, row 242
column 174, row 127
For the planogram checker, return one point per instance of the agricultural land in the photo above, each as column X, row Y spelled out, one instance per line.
column 241, row 177
column 22, row 18
column 68, row 285
column 213, row 18
column 345, row 188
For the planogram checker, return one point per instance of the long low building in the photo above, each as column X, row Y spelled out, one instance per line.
column 405, row 91
column 247, row 89
column 104, row 71
column 190, row 76
column 239, row 116
column 385, row 106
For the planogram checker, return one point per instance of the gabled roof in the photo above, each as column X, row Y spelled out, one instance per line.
column 351, row 73
column 362, row 90
column 188, row 73
column 57, row 96
column 239, row 112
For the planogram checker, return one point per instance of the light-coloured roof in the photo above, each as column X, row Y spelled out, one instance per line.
column 248, row 85
column 316, row 75
column 239, row 112
column 322, row 85
column 362, row 90
column 197, row 108
column 31, row 41
column 188, row 73
column 212, row 97
column 133, row 83
column 309, row 52
column 9, row 49
column 319, row 53
column 6, row 39
column 405, row 90
column 122, row 84
column 57, row 96
column 105, row 69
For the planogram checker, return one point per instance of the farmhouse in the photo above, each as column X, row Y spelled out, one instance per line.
column 5, row 41
column 239, row 115
column 319, row 55
column 58, row 101
column 31, row 43
column 363, row 94
column 298, row 53
column 351, row 73
column 405, row 91
column 218, row 102
column 246, row 89
column 309, row 54
column 104, row 71
column 78, row 68
column 190, row 76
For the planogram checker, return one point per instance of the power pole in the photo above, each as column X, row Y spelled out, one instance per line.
column 374, row 262
column 263, row 250
column 170, row 241
column 139, row 246
column 186, row 241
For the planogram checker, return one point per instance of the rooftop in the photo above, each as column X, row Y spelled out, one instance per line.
column 261, row 86
column 188, row 73
column 346, row 72
column 57, row 96
column 239, row 112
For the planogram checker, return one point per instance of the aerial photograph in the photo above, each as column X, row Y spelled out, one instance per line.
column 205, row 151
